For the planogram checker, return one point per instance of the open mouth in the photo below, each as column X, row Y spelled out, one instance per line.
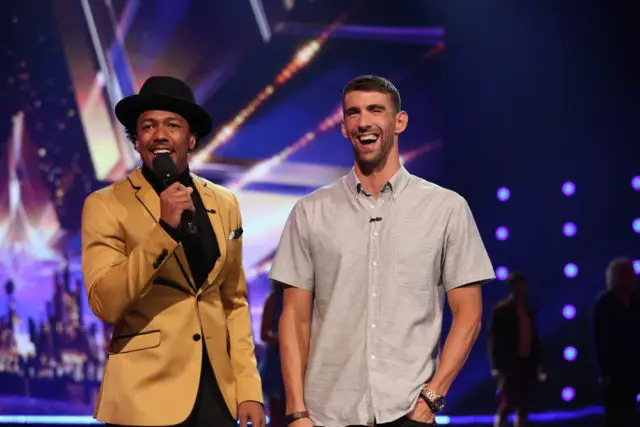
column 368, row 138
column 157, row 151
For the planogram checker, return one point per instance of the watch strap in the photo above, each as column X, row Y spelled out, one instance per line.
column 295, row 416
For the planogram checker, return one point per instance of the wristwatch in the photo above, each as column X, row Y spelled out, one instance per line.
column 434, row 400
column 289, row 418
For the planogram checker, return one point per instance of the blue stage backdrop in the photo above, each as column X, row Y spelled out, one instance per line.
column 271, row 75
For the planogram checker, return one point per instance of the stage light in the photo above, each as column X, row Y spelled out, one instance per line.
column 503, row 194
column 569, row 311
column 571, row 270
column 570, row 353
column 502, row 273
column 568, row 393
column 636, row 225
column 636, row 266
column 502, row 233
column 569, row 229
column 638, row 398
column 635, row 182
column 568, row 188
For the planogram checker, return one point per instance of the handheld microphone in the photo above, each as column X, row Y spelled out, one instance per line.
column 166, row 171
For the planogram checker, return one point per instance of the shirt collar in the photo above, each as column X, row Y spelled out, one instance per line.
column 184, row 179
column 396, row 184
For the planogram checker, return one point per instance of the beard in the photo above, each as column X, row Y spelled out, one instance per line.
column 369, row 162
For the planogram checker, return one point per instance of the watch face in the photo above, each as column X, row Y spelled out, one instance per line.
column 438, row 403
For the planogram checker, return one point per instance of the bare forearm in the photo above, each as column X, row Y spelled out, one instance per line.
column 463, row 334
column 294, row 350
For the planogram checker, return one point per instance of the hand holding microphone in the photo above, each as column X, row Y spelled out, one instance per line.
column 174, row 200
column 176, row 205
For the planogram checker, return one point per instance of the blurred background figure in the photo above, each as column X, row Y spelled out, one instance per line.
column 269, row 365
column 616, row 324
column 514, row 348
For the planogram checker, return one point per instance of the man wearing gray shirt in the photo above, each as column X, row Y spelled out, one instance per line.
column 366, row 263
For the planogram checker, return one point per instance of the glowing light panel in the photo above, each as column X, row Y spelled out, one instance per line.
column 568, row 188
column 569, row 311
column 502, row 273
column 569, row 229
column 571, row 270
column 502, row 233
column 568, row 393
column 570, row 353
column 503, row 194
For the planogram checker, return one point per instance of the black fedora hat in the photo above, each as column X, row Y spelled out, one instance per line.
column 166, row 94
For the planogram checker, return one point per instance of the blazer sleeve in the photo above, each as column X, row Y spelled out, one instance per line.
column 236, row 307
column 114, row 275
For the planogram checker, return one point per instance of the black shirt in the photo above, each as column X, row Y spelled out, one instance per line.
column 201, row 249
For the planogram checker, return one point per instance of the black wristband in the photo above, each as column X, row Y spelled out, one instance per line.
column 288, row 419
column 175, row 234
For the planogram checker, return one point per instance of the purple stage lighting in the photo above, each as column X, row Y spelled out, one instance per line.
column 635, row 182
column 568, row 393
column 571, row 270
column 502, row 273
column 568, row 188
column 636, row 225
column 503, row 194
column 636, row 266
column 502, row 233
column 570, row 353
column 569, row 311
column 569, row 229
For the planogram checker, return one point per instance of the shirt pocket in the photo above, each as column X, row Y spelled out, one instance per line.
column 417, row 258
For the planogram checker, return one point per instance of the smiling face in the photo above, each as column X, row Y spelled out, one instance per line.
column 159, row 132
column 372, row 126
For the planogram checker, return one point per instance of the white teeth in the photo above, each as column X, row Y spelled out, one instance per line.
column 368, row 138
column 162, row 151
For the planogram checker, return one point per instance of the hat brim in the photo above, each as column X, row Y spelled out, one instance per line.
column 129, row 109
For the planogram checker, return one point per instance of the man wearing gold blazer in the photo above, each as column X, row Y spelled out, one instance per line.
column 182, row 351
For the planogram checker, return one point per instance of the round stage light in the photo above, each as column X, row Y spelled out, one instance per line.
column 636, row 266
column 502, row 233
column 570, row 353
column 503, row 194
column 502, row 273
column 569, row 229
column 635, row 182
column 571, row 270
column 569, row 311
column 636, row 225
column 568, row 393
column 568, row 188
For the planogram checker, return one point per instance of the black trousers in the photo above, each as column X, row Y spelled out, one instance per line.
column 210, row 409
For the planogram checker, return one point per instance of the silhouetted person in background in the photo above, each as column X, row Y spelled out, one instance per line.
column 514, row 349
column 616, row 324
column 270, row 368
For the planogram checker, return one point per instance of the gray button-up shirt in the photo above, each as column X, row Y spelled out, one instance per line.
column 379, row 270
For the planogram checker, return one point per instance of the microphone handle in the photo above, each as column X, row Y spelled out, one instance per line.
column 186, row 222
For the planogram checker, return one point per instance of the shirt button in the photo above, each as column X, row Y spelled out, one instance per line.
column 196, row 337
column 371, row 206
column 373, row 357
column 373, row 325
column 374, row 294
column 375, row 263
column 375, row 233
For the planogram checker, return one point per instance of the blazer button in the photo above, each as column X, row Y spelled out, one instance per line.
column 196, row 337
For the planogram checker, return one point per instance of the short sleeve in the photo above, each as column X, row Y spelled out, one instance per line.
column 292, row 264
column 465, row 258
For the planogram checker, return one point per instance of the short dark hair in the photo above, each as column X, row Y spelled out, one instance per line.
column 132, row 134
column 369, row 83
